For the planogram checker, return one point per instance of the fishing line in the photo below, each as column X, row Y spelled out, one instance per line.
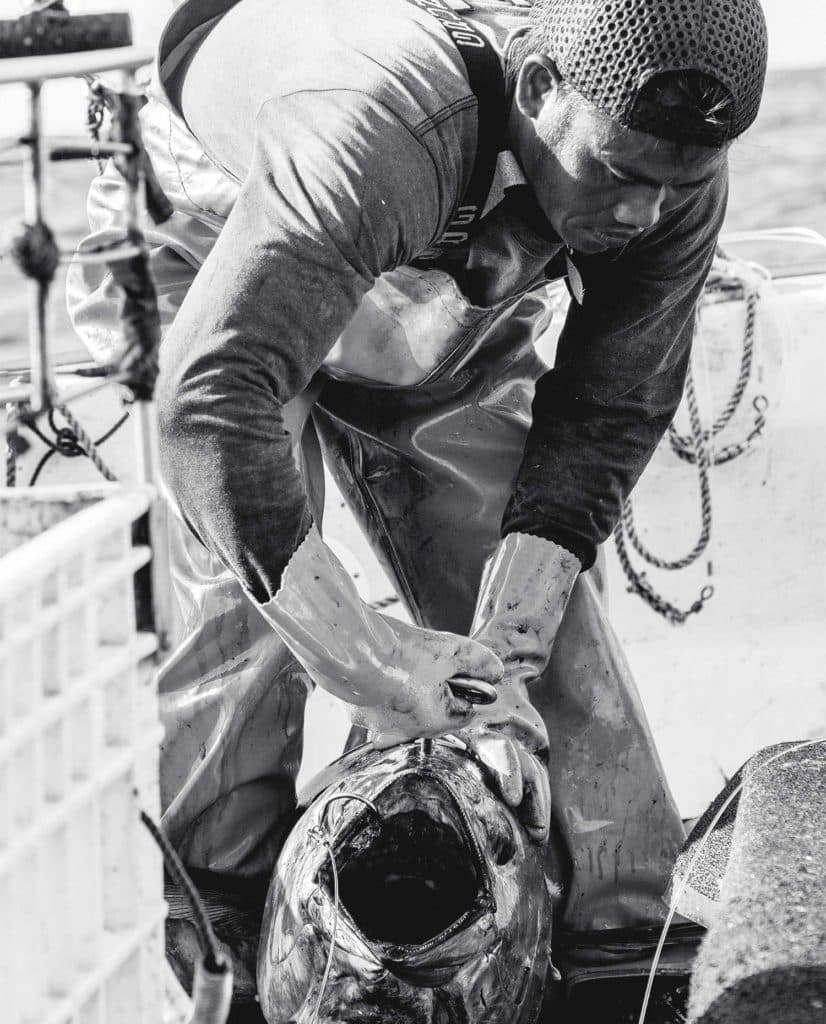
column 326, row 840
column 349, row 796
column 328, row 845
column 672, row 909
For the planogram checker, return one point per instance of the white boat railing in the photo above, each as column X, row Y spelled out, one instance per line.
column 81, row 881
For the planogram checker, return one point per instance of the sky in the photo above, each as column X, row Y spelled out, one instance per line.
column 797, row 28
column 797, row 38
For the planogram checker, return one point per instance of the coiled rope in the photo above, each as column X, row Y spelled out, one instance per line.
column 696, row 448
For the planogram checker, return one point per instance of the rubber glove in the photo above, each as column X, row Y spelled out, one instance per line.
column 393, row 674
column 524, row 591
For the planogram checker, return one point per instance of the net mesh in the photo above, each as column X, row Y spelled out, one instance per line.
column 609, row 49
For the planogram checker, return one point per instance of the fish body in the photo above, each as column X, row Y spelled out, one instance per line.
column 443, row 913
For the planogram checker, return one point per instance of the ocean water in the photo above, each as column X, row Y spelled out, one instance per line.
column 777, row 168
column 777, row 175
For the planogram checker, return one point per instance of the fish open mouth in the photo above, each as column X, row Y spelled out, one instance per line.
column 415, row 876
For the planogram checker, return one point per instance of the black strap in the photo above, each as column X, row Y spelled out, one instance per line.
column 487, row 83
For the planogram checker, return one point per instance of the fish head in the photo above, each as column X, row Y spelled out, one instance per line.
column 407, row 892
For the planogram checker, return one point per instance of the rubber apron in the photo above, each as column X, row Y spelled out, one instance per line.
column 426, row 457
column 427, row 470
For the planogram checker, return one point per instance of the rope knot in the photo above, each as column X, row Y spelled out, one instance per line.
column 35, row 252
column 66, row 442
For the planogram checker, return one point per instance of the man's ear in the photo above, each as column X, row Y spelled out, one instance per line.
column 538, row 81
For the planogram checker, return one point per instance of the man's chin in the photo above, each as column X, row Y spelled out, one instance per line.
column 586, row 243
column 589, row 245
column 594, row 241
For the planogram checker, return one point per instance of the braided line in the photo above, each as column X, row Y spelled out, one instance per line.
column 696, row 448
column 683, row 446
column 11, row 459
column 12, row 436
column 638, row 584
column 87, row 444
column 701, row 458
column 94, row 120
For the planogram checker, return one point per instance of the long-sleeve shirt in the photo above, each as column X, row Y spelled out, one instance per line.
column 350, row 129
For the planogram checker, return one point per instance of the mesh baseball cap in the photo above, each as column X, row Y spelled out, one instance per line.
column 612, row 51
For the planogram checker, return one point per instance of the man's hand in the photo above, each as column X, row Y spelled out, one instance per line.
column 521, row 601
column 395, row 675
column 410, row 670
column 510, row 740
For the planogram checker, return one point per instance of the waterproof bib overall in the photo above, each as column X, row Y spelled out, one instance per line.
column 421, row 409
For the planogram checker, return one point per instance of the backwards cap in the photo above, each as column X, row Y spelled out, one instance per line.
column 608, row 50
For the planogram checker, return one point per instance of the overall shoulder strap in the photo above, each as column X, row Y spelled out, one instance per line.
column 487, row 82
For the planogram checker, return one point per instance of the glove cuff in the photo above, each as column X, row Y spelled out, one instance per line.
column 319, row 615
column 524, row 591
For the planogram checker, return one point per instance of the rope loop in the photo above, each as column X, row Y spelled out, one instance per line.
column 697, row 448
column 72, row 440
column 639, row 584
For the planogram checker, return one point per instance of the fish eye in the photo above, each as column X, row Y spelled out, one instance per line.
column 502, row 839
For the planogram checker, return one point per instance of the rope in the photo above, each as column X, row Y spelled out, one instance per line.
column 639, row 585
column 86, row 443
column 700, row 457
column 683, row 446
column 12, row 438
column 35, row 252
column 15, row 445
column 11, row 459
column 697, row 449
column 71, row 441
column 95, row 109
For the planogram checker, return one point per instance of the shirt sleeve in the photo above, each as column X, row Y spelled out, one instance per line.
column 617, row 380
column 339, row 190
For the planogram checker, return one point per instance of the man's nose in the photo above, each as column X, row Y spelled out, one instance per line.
column 640, row 207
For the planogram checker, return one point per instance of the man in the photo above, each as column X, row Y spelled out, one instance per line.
column 370, row 198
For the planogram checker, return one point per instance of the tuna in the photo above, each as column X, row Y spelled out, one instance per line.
column 407, row 893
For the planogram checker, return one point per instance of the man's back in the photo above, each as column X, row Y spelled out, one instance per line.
column 394, row 53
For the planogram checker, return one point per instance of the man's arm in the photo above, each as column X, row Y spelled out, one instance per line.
column 339, row 190
column 618, row 378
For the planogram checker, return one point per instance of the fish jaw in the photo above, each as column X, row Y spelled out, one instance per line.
column 432, row 923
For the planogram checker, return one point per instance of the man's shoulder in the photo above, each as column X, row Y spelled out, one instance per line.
column 397, row 50
column 397, row 53
column 405, row 52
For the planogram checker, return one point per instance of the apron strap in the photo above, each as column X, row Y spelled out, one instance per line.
column 487, row 83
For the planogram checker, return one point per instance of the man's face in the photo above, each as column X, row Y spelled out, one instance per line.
column 599, row 184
